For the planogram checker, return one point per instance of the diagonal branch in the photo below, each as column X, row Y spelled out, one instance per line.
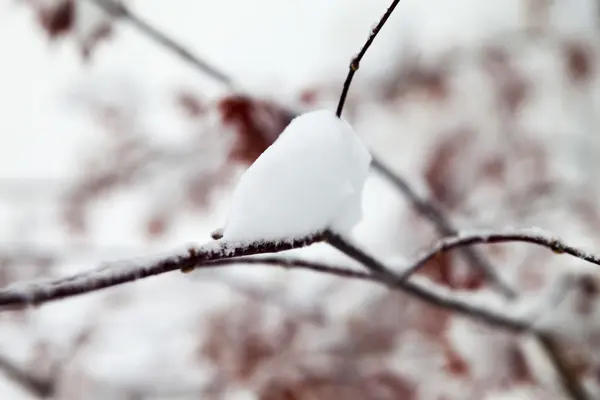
column 390, row 278
column 119, row 10
column 445, row 228
column 426, row 292
column 424, row 207
column 355, row 63
column 551, row 348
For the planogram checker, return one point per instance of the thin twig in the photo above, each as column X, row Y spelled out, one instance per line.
column 445, row 228
column 423, row 206
column 567, row 376
column 355, row 63
column 294, row 263
column 119, row 10
column 523, row 236
column 391, row 279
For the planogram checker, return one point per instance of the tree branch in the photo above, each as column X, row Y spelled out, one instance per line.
column 391, row 279
column 36, row 292
column 119, row 10
column 217, row 254
column 385, row 276
column 523, row 236
column 423, row 206
column 445, row 228
column 551, row 348
column 355, row 63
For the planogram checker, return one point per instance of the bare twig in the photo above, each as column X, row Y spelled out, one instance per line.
column 444, row 228
column 355, row 63
column 567, row 376
column 424, row 207
column 390, row 278
column 119, row 10
column 291, row 263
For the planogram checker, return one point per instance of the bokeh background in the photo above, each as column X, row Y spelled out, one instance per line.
column 114, row 147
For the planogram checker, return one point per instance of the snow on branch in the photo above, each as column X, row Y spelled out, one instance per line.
column 309, row 180
column 36, row 292
column 422, row 205
column 426, row 208
column 523, row 235
column 222, row 253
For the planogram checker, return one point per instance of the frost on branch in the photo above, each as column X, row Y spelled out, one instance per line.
column 309, row 180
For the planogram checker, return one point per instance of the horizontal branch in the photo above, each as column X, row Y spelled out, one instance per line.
column 523, row 236
column 219, row 254
column 36, row 292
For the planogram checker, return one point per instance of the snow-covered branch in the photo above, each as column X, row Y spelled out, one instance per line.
column 37, row 292
column 222, row 254
column 444, row 228
column 423, row 206
column 524, row 236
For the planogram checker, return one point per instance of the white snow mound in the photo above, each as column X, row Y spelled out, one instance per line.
column 310, row 179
